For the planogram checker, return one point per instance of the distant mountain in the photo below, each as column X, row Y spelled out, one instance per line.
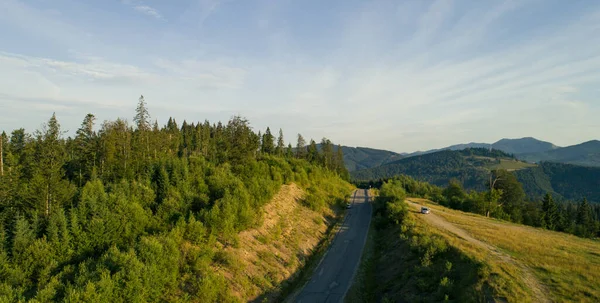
column 452, row 147
column 523, row 145
column 511, row 146
column 356, row 158
column 586, row 154
column 470, row 166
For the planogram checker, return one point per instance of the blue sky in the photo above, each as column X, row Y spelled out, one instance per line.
column 397, row 75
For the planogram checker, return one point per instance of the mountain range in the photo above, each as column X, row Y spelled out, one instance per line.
column 511, row 146
column 527, row 149
column 472, row 166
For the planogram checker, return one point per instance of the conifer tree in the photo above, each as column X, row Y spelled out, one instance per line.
column 280, row 144
column 2, row 137
column 301, row 147
column 327, row 153
column 289, row 152
column 584, row 218
column 142, row 116
column 268, row 144
column 550, row 215
column 313, row 152
column 50, row 157
column 85, row 148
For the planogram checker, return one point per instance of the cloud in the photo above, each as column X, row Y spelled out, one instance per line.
column 198, row 11
column 402, row 76
column 147, row 10
column 140, row 7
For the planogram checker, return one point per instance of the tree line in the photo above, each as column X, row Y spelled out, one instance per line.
column 134, row 212
column 505, row 199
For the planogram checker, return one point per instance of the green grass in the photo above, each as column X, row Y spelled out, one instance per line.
column 511, row 165
column 413, row 262
column 568, row 266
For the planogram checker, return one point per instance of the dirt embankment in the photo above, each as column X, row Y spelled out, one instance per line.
column 269, row 255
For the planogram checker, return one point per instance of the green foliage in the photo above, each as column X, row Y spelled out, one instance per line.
column 505, row 201
column 550, row 214
column 134, row 214
column 469, row 167
column 415, row 265
column 585, row 154
column 564, row 181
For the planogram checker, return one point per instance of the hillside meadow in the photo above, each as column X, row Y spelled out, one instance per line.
column 565, row 264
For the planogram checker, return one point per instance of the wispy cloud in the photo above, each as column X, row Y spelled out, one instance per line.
column 140, row 7
column 147, row 10
column 401, row 76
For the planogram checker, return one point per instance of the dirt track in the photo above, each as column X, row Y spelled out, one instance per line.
column 529, row 279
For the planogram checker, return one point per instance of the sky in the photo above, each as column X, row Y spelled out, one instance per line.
column 395, row 75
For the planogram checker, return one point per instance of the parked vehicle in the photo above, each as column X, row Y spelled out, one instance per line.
column 425, row 210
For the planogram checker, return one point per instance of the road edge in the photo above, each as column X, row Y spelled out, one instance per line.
column 362, row 249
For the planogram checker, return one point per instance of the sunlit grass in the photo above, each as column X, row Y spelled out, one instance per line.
column 568, row 266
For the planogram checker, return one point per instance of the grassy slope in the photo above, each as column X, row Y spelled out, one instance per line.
column 268, row 259
column 414, row 262
column 511, row 165
column 566, row 265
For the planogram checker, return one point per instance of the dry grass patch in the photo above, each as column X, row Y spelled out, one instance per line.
column 272, row 253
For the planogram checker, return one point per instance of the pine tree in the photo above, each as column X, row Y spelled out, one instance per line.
column 142, row 116
column 550, row 215
column 85, row 148
column 268, row 144
column 301, row 147
column 289, row 152
column 313, row 152
column 19, row 148
column 2, row 137
column 327, row 154
column 340, row 166
column 242, row 142
column 50, row 157
column 280, row 144
column 584, row 218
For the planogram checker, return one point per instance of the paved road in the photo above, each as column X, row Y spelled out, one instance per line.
column 332, row 278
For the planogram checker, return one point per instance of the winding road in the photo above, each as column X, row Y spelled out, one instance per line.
column 333, row 277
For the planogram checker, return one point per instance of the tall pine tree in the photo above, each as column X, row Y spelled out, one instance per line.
column 301, row 147
column 280, row 144
column 142, row 116
column 584, row 219
column 268, row 144
column 550, row 215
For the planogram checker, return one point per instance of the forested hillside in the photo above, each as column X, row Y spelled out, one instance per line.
column 472, row 171
column 565, row 181
column 586, row 154
column 356, row 158
column 523, row 145
column 469, row 166
column 136, row 213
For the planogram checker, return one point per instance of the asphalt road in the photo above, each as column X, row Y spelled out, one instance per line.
column 333, row 277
